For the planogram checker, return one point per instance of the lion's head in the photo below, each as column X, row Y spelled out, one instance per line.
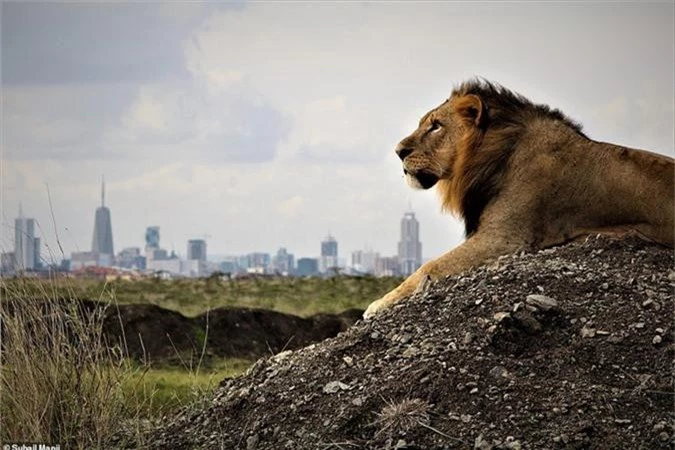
column 463, row 145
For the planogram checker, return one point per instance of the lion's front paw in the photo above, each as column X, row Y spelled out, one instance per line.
column 373, row 308
column 383, row 303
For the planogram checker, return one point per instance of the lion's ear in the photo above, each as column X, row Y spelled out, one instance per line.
column 471, row 109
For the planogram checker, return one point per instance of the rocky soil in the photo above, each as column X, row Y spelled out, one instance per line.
column 568, row 348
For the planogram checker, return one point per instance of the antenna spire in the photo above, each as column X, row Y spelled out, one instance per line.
column 102, row 190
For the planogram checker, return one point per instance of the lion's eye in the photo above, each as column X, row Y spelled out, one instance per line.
column 435, row 126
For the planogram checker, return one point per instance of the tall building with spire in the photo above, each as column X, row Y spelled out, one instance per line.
column 409, row 247
column 102, row 243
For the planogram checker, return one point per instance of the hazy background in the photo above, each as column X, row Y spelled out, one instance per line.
column 271, row 124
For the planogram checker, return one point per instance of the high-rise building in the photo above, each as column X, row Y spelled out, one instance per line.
column 410, row 247
column 102, row 243
column 284, row 262
column 196, row 249
column 152, row 237
column 24, row 242
column 307, row 267
column 329, row 254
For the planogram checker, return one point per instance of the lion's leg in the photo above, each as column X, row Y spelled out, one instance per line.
column 475, row 251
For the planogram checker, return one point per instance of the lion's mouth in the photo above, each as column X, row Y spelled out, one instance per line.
column 424, row 178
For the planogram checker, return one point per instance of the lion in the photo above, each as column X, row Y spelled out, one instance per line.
column 523, row 176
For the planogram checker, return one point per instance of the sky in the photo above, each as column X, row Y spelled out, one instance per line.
column 265, row 124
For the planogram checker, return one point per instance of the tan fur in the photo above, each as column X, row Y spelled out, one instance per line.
column 524, row 176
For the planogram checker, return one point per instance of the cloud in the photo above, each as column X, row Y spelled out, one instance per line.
column 44, row 42
column 192, row 122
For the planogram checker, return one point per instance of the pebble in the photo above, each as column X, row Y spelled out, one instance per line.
column 252, row 442
column 542, row 302
column 333, row 386
column 587, row 332
column 657, row 340
column 500, row 316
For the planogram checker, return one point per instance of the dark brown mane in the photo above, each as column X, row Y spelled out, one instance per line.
column 478, row 173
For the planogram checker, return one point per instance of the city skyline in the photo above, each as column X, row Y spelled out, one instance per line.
column 232, row 119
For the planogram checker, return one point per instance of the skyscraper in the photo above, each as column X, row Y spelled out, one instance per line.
column 409, row 247
column 329, row 253
column 196, row 249
column 102, row 243
column 24, row 242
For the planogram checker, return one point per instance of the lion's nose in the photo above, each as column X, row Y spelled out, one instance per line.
column 402, row 151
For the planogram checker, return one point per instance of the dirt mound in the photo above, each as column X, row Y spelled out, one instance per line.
column 153, row 333
column 568, row 348
column 150, row 333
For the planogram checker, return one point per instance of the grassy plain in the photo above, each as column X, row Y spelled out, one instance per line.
column 58, row 382
column 191, row 297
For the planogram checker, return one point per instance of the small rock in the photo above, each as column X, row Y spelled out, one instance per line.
column 499, row 372
column 252, row 442
column 542, row 302
column 468, row 337
column 411, row 352
column 348, row 360
column 657, row 340
column 659, row 330
column 587, row 332
column 663, row 436
column 640, row 325
column 512, row 444
column 466, row 418
column 400, row 444
column 501, row 316
column 358, row 401
column 481, row 444
column 333, row 386
column 474, row 391
column 374, row 335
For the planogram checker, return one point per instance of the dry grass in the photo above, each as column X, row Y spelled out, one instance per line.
column 59, row 381
column 399, row 418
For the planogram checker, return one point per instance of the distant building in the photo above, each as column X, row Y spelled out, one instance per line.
column 129, row 258
column 196, row 249
column 78, row 260
column 284, row 262
column 152, row 237
column 258, row 262
column 364, row 261
column 307, row 267
column 388, row 266
column 228, row 267
column 37, row 260
column 409, row 247
column 329, row 254
column 24, row 242
column 102, row 242
column 7, row 262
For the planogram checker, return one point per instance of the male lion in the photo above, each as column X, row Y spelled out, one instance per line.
column 524, row 176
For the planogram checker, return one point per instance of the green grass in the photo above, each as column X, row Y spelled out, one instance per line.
column 162, row 390
column 59, row 383
column 191, row 297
